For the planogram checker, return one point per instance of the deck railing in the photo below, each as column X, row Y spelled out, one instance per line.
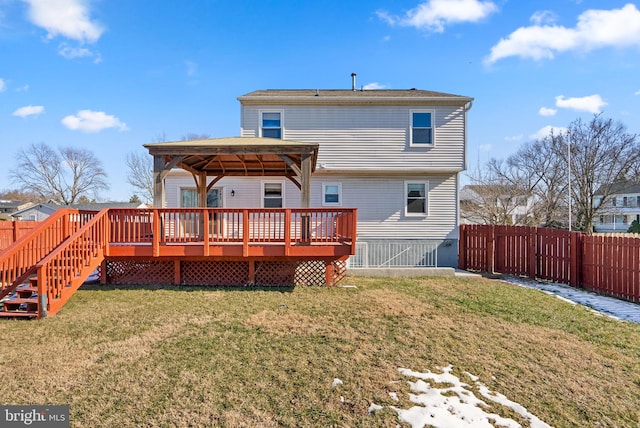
column 223, row 225
column 18, row 260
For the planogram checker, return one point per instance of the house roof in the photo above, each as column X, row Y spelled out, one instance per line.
column 37, row 207
column 337, row 96
column 621, row 187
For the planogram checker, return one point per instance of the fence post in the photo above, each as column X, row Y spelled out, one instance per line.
column 532, row 245
column 462, row 247
column 491, row 249
column 575, row 255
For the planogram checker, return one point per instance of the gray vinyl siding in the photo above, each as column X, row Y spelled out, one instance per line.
column 355, row 138
column 380, row 201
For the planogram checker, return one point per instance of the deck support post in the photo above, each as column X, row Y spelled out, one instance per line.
column 252, row 271
column 158, row 181
column 103, row 272
column 328, row 273
column 176, row 272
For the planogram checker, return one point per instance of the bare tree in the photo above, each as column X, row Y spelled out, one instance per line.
column 494, row 199
column 140, row 174
column 602, row 155
column 537, row 170
column 63, row 175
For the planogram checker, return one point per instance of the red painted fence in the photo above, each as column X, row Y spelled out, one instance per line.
column 10, row 231
column 607, row 265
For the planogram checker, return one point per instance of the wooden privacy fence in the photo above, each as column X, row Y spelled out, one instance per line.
column 608, row 265
column 11, row 231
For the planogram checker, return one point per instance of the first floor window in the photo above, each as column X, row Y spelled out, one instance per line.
column 272, row 195
column 416, row 197
column 331, row 194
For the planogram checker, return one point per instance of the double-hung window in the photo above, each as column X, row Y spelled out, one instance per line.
column 331, row 194
column 416, row 198
column 421, row 128
column 271, row 124
column 272, row 194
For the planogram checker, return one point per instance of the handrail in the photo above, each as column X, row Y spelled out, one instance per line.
column 62, row 271
column 18, row 261
column 232, row 225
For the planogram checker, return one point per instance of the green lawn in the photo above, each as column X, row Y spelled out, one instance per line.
column 136, row 357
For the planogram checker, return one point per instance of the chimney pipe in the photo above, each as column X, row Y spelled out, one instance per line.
column 353, row 81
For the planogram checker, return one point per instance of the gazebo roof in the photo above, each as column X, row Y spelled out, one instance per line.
column 236, row 156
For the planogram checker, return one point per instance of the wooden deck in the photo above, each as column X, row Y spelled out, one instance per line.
column 192, row 246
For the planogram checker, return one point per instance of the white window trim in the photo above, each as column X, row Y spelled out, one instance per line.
column 332, row 204
column 433, row 127
column 261, row 112
column 263, row 182
column 406, row 196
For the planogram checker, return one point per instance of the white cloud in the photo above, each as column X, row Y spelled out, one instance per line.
column 374, row 85
column 3, row 85
column 514, row 138
column 71, row 52
column 595, row 29
column 546, row 111
column 22, row 88
column 28, row 111
column 546, row 131
column 434, row 15
column 92, row 121
column 592, row 103
column 192, row 68
column 485, row 147
column 543, row 17
column 68, row 18
column 637, row 92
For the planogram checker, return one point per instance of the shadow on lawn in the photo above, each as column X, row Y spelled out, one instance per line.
column 95, row 286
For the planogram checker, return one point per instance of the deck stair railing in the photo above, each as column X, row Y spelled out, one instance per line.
column 17, row 262
column 66, row 268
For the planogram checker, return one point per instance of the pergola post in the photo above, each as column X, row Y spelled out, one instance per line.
column 158, row 181
column 201, row 183
column 305, row 180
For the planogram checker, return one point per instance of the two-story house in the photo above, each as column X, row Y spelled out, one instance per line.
column 395, row 155
column 620, row 208
column 496, row 204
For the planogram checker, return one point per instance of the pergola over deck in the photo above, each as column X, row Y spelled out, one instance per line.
column 235, row 156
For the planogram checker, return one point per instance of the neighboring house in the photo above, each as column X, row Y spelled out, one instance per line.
column 395, row 155
column 620, row 208
column 36, row 212
column 8, row 207
column 41, row 211
column 495, row 204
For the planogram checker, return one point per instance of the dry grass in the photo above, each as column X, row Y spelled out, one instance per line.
column 197, row 357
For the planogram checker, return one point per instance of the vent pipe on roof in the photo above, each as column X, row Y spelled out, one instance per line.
column 353, row 81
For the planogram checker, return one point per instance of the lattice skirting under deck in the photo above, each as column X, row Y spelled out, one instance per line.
column 224, row 273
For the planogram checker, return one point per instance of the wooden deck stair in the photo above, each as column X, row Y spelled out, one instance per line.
column 21, row 296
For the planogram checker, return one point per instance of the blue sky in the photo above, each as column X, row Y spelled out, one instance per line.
column 111, row 75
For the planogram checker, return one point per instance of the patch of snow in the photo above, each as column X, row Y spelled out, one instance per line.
column 336, row 382
column 609, row 306
column 394, row 396
column 454, row 404
column 374, row 407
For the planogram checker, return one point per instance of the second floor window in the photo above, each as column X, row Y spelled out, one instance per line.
column 272, row 125
column 421, row 128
